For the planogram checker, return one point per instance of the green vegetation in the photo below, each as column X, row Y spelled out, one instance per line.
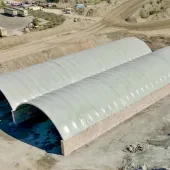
column 35, row 22
column 2, row 4
column 53, row 19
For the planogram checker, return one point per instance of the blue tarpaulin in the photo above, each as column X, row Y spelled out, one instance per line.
column 80, row 6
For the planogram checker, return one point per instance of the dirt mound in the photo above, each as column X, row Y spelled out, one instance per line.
column 92, row 12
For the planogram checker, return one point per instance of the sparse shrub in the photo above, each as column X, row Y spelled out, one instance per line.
column 35, row 22
column 108, row 1
column 90, row 12
column 167, row 3
column 152, row 12
column 2, row 4
column 131, row 19
column 149, row 8
column 75, row 19
column 144, row 14
column 153, row 7
column 78, row 20
column 54, row 6
column 162, row 8
column 157, row 8
column 163, row 5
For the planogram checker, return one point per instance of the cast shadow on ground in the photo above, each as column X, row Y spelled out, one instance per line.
column 10, row 16
column 38, row 132
column 7, row 15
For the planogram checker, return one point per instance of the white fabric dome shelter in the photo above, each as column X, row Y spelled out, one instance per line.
column 79, row 91
column 79, row 106
column 40, row 79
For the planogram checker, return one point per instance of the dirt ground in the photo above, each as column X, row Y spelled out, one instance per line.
column 58, row 11
column 13, row 24
column 153, row 10
column 35, row 145
column 104, row 153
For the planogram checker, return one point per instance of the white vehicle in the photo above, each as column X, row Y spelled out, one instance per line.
column 22, row 12
column 10, row 11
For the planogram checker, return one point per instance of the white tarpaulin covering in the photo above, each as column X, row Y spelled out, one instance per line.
column 80, row 105
column 29, row 83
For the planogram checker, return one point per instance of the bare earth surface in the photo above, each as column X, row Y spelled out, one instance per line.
column 13, row 24
column 35, row 146
column 46, row 40
column 104, row 153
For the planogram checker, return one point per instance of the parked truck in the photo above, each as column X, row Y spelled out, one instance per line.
column 10, row 11
column 22, row 12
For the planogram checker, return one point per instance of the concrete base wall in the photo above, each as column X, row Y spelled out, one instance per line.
column 108, row 123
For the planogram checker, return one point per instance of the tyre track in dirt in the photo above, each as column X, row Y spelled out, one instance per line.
column 114, row 19
column 48, row 43
column 53, row 53
column 45, row 44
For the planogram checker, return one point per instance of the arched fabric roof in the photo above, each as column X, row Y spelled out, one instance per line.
column 80, row 105
column 29, row 83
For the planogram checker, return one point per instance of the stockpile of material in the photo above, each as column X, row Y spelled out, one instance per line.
column 87, row 93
